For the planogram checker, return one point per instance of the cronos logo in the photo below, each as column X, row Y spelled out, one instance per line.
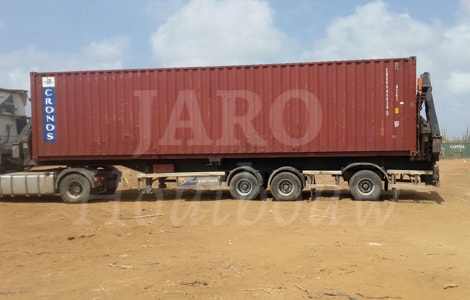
column 49, row 114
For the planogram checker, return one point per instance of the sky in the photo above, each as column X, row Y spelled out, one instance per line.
column 58, row 35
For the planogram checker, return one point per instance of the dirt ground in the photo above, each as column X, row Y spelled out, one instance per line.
column 190, row 245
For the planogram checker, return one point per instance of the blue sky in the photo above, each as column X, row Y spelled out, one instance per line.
column 53, row 35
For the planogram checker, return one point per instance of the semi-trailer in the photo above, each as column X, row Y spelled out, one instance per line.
column 250, row 128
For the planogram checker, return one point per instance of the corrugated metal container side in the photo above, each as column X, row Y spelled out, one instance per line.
column 339, row 108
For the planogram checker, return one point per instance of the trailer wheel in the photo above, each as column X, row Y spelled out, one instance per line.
column 286, row 186
column 74, row 188
column 245, row 186
column 365, row 185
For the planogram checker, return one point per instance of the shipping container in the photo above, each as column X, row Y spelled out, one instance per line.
column 364, row 107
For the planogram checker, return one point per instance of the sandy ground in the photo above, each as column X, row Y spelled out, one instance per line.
column 189, row 245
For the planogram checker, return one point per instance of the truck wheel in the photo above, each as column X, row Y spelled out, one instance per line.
column 286, row 186
column 111, row 187
column 245, row 186
column 74, row 188
column 365, row 185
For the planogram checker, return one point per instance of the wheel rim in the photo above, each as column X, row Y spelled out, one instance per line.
column 285, row 187
column 75, row 189
column 244, row 187
column 366, row 186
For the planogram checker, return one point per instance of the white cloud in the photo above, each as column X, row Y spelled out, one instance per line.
column 161, row 9
column 206, row 32
column 373, row 32
column 16, row 65
column 455, row 44
column 465, row 5
column 108, row 53
column 458, row 82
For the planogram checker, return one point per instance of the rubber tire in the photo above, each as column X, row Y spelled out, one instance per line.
column 293, row 192
column 80, row 185
column 369, row 180
column 244, row 186
column 112, row 186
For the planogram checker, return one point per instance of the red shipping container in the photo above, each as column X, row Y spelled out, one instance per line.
column 353, row 108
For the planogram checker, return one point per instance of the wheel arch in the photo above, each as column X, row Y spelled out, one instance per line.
column 288, row 169
column 235, row 171
column 88, row 174
column 350, row 169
